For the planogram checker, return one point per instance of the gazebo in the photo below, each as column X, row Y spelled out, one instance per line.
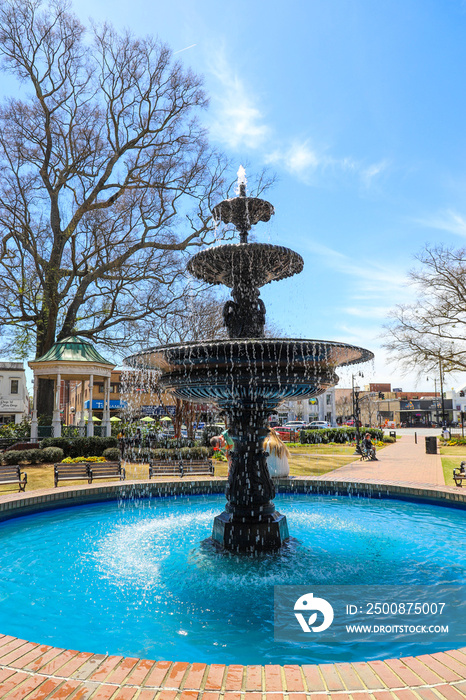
column 76, row 359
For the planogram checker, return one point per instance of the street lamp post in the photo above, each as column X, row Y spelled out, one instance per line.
column 436, row 398
column 355, row 393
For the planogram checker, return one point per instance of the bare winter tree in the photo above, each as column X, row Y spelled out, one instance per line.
column 432, row 331
column 106, row 178
column 199, row 317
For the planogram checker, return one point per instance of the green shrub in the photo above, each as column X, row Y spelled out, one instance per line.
column 16, row 431
column 387, row 439
column 52, row 454
column 112, row 454
column 82, row 446
column 209, row 432
column 164, row 442
column 337, row 435
column 13, row 457
column 184, row 453
column 32, row 456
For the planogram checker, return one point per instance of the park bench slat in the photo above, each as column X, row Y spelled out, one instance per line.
column 11, row 474
column 71, row 472
column 87, row 471
column 107, row 470
column 180, row 467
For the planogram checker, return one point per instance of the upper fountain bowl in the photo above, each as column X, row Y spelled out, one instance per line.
column 243, row 212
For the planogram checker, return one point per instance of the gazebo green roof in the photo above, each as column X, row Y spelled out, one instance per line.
column 73, row 349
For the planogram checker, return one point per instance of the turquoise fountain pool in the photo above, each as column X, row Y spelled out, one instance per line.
column 132, row 578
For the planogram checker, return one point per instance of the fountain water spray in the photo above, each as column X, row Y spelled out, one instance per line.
column 248, row 375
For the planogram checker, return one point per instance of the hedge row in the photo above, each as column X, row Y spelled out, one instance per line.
column 81, row 447
column 37, row 456
column 341, row 435
column 184, row 453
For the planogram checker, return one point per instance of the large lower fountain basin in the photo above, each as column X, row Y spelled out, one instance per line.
column 132, row 577
column 259, row 372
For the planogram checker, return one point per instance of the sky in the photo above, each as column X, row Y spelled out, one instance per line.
column 359, row 108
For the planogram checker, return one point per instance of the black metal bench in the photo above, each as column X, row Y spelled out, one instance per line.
column 11, row 474
column 71, row 472
column 180, row 468
column 106, row 470
column 87, row 471
column 459, row 475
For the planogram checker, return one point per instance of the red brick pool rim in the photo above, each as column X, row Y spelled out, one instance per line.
column 30, row 671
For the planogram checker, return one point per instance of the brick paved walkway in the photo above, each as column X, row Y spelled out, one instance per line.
column 31, row 671
column 402, row 461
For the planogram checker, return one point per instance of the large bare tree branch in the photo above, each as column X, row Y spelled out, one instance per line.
column 107, row 178
column 433, row 329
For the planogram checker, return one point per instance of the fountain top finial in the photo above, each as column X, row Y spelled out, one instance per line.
column 242, row 182
column 242, row 211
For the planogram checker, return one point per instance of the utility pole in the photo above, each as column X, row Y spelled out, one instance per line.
column 441, row 390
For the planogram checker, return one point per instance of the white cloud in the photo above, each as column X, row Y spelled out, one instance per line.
column 297, row 159
column 365, row 311
column 447, row 220
column 370, row 273
column 369, row 174
column 237, row 121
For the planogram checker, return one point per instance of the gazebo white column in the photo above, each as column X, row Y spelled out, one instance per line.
column 90, row 422
column 82, row 422
column 106, row 416
column 56, row 423
column 34, row 423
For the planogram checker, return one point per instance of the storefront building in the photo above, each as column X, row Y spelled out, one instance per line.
column 14, row 400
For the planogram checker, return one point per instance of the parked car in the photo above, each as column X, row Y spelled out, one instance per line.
column 295, row 424
column 288, row 434
column 318, row 425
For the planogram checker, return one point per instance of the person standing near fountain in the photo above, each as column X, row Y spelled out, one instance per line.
column 278, row 455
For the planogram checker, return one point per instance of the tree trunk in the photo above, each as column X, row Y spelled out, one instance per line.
column 46, row 328
column 45, row 397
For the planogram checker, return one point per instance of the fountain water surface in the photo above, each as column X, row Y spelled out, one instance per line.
column 248, row 375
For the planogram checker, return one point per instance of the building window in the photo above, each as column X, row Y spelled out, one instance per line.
column 5, row 420
column 115, row 388
column 14, row 386
column 329, row 399
column 100, row 388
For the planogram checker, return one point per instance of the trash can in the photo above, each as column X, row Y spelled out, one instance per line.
column 393, row 434
column 431, row 445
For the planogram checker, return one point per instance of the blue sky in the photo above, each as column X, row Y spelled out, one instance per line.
column 359, row 107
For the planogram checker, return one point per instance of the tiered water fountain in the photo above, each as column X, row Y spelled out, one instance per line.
column 248, row 375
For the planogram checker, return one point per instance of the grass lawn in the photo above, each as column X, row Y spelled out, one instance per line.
column 41, row 476
column 448, row 464
column 310, row 465
column 453, row 450
column 307, row 465
column 321, row 449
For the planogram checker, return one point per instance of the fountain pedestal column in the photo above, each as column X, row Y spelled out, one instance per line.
column 249, row 522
